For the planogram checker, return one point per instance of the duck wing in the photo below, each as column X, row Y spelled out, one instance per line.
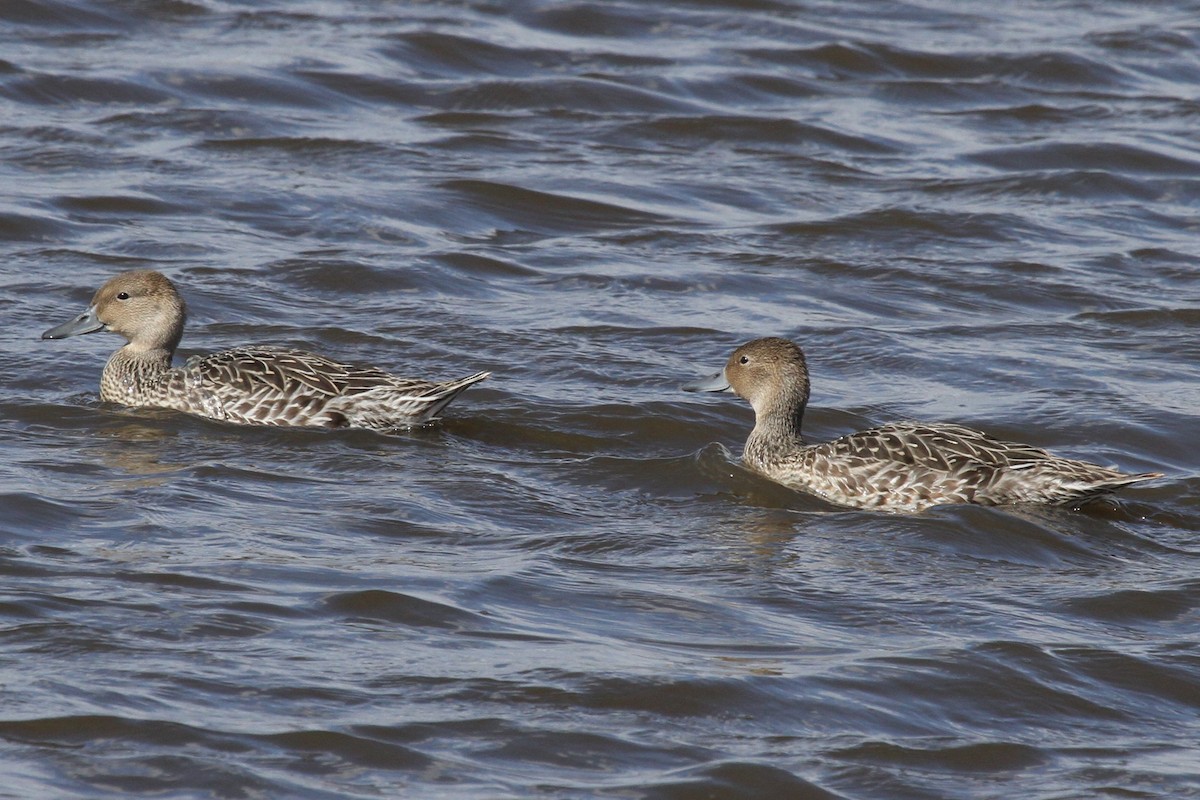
column 910, row 466
column 942, row 447
column 253, row 370
column 276, row 386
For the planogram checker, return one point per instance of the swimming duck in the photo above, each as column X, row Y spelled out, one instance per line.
column 250, row 385
column 904, row 466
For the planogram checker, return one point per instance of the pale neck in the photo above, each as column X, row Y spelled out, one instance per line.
column 146, row 359
column 776, row 433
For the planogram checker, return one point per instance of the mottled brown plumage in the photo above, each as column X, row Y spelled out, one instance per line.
column 250, row 385
column 905, row 466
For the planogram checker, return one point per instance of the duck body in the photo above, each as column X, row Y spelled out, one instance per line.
column 904, row 466
column 254, row 385
column 910, row 466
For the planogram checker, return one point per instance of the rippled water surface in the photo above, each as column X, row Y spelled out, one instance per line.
column 569, row 588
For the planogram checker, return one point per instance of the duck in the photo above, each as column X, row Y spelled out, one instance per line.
column 251, row 385
column 902, row 467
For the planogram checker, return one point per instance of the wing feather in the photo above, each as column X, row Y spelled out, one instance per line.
column 289, row 372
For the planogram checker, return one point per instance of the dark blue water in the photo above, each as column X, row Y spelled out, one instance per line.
column 983, row 214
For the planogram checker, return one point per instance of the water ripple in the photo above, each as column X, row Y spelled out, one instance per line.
column 570, row 587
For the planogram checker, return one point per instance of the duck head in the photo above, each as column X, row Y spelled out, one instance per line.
column 771, row 374
column 142, row 306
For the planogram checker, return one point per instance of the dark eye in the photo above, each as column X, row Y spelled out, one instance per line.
column 122, row 295
column 744, row 360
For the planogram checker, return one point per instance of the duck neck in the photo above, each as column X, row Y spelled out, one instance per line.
column 776, row 433
column 134, row 374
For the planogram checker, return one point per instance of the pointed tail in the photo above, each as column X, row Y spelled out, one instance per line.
column 444, row 393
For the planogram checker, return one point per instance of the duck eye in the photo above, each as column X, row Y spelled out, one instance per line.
column 122, row 295
column 744, row 360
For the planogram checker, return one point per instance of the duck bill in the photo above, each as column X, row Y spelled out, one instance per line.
column 87, row 322
column 713, row 383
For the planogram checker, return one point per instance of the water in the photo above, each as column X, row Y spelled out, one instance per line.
column 569, row 589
